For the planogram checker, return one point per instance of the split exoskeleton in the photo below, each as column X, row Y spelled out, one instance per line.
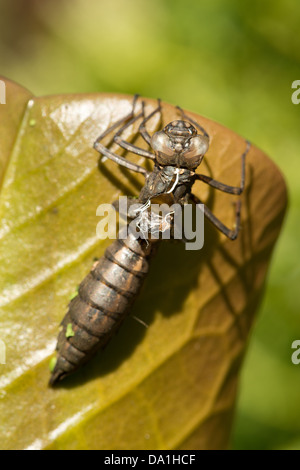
column 106, row 295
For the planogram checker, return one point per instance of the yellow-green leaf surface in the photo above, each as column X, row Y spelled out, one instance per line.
column 10, row 118
column 172, row 385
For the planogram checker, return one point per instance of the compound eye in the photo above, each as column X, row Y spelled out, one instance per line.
column 198, row 146
column 161, row 144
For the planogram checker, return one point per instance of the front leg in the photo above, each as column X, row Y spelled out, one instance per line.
column 237, row 190
column 231, row 234
column 120, row 160
column 120, row 121
column 128, row 146
column 142, row 129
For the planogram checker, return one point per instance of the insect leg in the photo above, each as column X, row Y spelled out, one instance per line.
column 128, row 146
column 113, row 156
column 188, row 118
column 225, row 187
column 120, row 160
column 120, row 121
column 142, row 129
column 232, row 234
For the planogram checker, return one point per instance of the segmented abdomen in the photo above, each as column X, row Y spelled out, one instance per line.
column 103, row 301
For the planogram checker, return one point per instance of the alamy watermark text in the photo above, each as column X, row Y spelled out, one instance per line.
column 2, row 92
column 296, row 94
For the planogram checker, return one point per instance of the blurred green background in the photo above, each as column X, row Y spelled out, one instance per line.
column 231, row 61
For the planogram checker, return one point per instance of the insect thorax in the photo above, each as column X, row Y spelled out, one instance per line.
column 161, row 179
